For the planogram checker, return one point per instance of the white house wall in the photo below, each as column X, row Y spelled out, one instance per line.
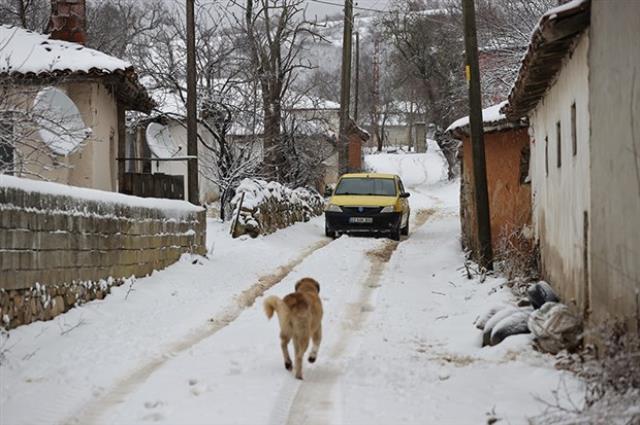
column 614, row 84
column 208, row 190
column 561, row 198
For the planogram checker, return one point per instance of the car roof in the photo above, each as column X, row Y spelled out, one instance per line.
column 370, row 175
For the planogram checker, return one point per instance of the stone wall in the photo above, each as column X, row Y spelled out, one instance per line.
column 269, row 206
column 61, row 245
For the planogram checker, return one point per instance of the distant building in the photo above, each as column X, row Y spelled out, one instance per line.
column 579, row 86
column 507, row 160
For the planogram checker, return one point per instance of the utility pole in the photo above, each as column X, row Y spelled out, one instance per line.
column 357, row 87
column 192, row 123
column 376, row 93
column 345, row 88
column 472, row 71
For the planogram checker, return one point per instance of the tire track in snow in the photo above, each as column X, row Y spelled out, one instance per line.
column 94, row 410
column 312, row 401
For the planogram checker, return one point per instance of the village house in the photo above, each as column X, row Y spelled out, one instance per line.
column 63, row 104
column 579, row 87
column 161, row 137
column 507, row 163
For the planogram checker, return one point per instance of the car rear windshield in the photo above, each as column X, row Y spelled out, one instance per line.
column 366, row 186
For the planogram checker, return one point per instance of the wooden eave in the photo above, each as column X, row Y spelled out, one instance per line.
column 554, row 38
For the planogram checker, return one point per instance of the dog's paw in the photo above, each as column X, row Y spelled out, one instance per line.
column 312, row 359
column 299, row 377
column 288, row 365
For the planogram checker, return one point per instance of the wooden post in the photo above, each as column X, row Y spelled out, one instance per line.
column 192, row 123
column 357, row 79
column 235, row 221
column 122, row 146
column 345, row 87
column 472, row 71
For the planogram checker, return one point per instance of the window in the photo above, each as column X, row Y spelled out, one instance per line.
column 525, row 156
column 546, row 155
column 366, row 186
column 559, row 144
column 574, row 130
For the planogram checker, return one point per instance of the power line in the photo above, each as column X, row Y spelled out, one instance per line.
column 355, row 7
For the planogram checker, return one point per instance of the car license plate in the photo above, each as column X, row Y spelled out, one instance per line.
column 361, row 220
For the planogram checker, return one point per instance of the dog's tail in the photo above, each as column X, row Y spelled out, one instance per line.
column 273, row 303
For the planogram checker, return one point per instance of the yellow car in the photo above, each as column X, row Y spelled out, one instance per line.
column 368, row 203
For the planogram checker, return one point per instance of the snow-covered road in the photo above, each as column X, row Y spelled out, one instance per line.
column 189, row 345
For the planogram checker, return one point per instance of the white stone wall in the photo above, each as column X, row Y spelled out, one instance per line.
column 614, row 84
column 561, row 198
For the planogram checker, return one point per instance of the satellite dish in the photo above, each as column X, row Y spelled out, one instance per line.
column 160, row 141
column 62, row 128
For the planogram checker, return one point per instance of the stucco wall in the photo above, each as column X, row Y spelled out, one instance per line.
column 92, row 165
column 509, row 199
column 561, row 198
column 614, row 84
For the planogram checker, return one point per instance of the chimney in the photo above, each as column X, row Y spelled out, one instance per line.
column 67, row 21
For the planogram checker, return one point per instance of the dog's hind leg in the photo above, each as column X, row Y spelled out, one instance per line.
column 284, row 344
column 317, row 338
column 300, row 344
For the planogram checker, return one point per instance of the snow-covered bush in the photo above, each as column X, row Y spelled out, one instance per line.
column 262, row 207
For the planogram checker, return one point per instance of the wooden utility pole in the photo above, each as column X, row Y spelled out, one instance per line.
column 472, row 71
column 345, row 88
column 357, row 79
column 192, row 123
column 376, row 94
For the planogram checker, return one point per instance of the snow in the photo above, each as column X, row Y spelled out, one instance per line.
column 61, row 126
column 413, row 169
column 23, row 51
column 490, row 115
column 28, row 185
column 190, row 345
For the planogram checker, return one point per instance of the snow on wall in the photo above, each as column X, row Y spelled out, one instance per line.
column 269, row 206
column 168, row 206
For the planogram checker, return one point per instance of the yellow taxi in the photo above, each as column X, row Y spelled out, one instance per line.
column 368, row 203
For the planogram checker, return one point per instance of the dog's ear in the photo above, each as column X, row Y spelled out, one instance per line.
column 317, row 286
column 297, row 285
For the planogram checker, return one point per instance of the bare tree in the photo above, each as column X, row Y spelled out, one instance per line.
column 35, row 136
column 116, row 27
column 30, row 14
column 274, row 30
column 429, row 52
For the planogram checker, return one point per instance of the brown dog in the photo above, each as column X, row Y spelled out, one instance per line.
column 300, row 316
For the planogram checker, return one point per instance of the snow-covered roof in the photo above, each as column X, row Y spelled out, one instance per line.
column 551, row 41
column 308, row 102
column 26, row 54
column 492, row 120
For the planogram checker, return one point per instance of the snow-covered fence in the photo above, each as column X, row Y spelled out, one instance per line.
column 72, row 244
column 269, row 206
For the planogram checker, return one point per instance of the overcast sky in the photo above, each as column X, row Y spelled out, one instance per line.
column 321, row 8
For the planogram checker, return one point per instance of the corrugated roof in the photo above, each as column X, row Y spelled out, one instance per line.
column 553, row 38
column 27, row 56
